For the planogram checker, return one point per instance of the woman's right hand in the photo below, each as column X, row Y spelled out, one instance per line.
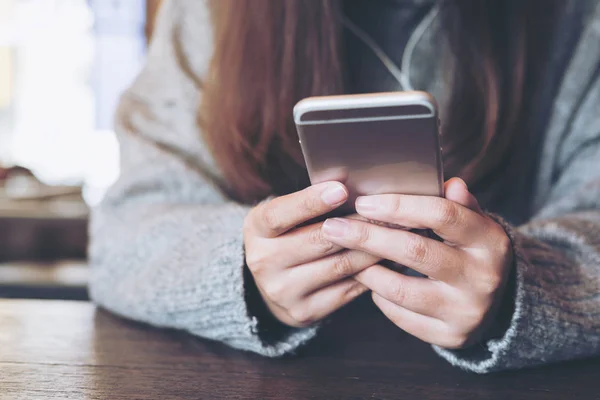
column 301, row 276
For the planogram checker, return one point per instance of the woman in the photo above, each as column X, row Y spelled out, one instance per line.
column 200, row 231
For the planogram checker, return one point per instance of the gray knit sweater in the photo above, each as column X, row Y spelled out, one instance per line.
column 166, row 242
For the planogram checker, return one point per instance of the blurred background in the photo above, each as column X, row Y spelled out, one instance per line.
column 63, row 65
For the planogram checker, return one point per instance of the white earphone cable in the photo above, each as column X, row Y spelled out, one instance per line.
column 414, row 39
column 383, row 57
column 402, row 75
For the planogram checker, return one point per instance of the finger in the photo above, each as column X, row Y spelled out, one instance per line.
column 456, row 190
column 420, row 295
column 273, row 218
column 427, row 256
column 331, row 269
column 449, row 220
column 300, row 246
column 428, row 329
column 325, row 301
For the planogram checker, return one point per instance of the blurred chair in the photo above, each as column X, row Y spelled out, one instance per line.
column 40, row 226
column 66, row 280
column 32, row 253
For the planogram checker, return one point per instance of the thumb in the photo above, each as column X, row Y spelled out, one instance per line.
column 457, row 191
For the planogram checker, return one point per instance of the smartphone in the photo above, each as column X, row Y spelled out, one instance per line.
column 378, row 143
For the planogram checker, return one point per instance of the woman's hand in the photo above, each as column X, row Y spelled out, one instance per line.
column 302, row 276
column 467, row 272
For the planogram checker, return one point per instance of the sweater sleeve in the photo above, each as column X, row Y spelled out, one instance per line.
column 556, row 304
column 166, row 243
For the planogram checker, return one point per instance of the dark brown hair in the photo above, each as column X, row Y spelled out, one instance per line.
column 269, row 54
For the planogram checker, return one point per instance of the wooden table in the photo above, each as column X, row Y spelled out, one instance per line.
column 69, row 350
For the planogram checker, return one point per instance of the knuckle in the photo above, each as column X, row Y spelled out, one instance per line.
column 398, row 292
column 275, row 291
column 391, row 206
column 416, row 249
column 489, row 282
column 302, row 316
column 362, row 234
column 448, row 214
column 316, row 239
column 255, row 261
column 456, row 341
column 354, row 290
column 247, row 225
column 503, row 243
column 311, row 205
column 270, row 218
column 473, row 317
column 342, row 265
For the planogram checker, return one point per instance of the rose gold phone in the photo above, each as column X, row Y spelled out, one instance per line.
column 373, row 143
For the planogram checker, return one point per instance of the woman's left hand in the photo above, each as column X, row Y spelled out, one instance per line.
column 467, row 272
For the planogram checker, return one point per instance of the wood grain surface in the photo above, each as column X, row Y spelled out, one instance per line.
column 71, row 350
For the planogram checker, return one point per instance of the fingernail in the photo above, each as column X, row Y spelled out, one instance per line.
column 334, row 195
column 366, row 204
column 335, row 227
